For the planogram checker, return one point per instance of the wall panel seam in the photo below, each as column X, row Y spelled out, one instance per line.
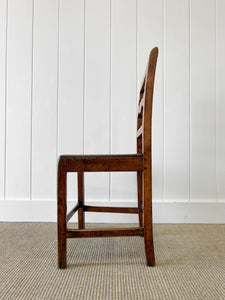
column 190, row 128
column 110, row 94
column 6, row 94
column 216, row 98
column 189, row 62
column 136, row 53
column 84, row 75
column 31, row 100
column 57, row 80
column 163, row 99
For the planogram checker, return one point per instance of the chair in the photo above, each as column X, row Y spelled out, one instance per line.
column 139, row 162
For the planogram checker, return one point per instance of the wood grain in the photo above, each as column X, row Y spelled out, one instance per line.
column 105, row 232
column 112, row 209
column 102, row 163
column 81, row 216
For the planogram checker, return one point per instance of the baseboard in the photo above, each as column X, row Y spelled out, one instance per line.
column 163, row 212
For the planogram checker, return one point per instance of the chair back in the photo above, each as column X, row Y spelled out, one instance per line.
column 144, row 116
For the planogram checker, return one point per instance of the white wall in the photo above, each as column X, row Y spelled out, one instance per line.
column 69, row 78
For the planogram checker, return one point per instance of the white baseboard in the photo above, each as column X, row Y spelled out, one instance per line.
column 163, row 212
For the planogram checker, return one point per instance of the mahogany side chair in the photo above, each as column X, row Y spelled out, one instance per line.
column 139, row 162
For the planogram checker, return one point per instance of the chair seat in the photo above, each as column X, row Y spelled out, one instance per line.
column 99, row 155
column 102, row 163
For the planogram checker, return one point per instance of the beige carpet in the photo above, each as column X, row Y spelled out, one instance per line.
column 190, row 264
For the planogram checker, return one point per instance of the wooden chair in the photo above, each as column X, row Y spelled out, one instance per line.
column 139, row 162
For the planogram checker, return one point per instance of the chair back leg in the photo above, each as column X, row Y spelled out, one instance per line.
column 80, row 180
column 148, row 230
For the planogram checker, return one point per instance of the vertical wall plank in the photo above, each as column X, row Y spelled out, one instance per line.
column 150, row 33
column 203, row 129
column 70, row 89
column 97, row 92
column 221, row 98
column 3, row 46
column 18, row 118
column 123, row 110
column 176, row 103
column 44, row 126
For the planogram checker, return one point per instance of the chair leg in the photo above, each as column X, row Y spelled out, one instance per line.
column 81, row 219
column 140, row 189
column 148, row 230
column 61, row 218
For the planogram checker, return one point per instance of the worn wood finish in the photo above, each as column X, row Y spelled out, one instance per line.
column 147, row 150
column 61, row 216
column 104, row 232
column 111, row 209
column 102, row 163
column 80, row 181
column 139, row 162
column 139, row 180
column 140, row 200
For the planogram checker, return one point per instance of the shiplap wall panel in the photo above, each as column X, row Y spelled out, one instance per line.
column 176, row 100
column 203, row 104
column 72, row 70
column 97, row 93
column 221, row 98
column 70, row 83
column 44, row 126
column 18, row 106
column 3, row 32
column 123, row 93
column 149, row 35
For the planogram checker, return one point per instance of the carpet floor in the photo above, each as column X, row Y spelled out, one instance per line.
column 190, row 264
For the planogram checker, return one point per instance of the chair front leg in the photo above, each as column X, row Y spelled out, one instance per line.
column 61, row 216
column 81, row 219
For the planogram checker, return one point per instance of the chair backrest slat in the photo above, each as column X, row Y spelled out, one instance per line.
column 141, row 105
